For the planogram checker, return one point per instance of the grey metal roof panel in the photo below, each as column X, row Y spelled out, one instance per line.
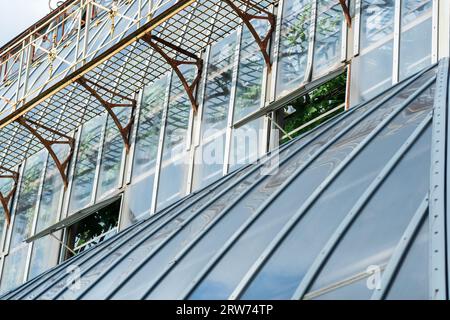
column 319, row 218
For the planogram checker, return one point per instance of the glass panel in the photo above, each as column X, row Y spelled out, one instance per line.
column 139, row 193
column 246, row 143
column 293, row 50
column 376, row 232
column 175, row 158
column 45, row 255
column 411, row 282
column 86, row 164
column 210, row 155
column 283, row 272
column 328, row 38
column 378, row 64
column 376, row 50
column 113, row 148
column 26, row 205
column 51, row 192
column 250, row 74
column 13, row 269
column 415, row 39
column 46, row 250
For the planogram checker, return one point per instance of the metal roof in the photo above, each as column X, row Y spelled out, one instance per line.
column 323, row 217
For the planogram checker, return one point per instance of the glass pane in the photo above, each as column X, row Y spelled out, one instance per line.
column 113, row 148
column 377, row 22
column 49, row 205
column 45, row 255
column 415, row 39
column 139, row 193
column 246, row 144
column 250, row 74
column 209, row 156
column 327, row 45
column 13, row 269
column 376, row 50
column 377, row 63
column 283, row 272
column 175, row 158
column 411, row 282
column 293, row 50
column 28, row 195
column 86, row 164
column 377, row 230
column 46, row 250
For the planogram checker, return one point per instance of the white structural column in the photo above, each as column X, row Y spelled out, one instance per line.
column 443, row 34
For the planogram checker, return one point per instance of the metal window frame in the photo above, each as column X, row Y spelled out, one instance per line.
column 396, row 44
column 276, row 52
column 311, row 42
column 357, row 28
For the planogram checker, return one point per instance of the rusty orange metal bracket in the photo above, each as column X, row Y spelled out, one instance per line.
column 6, row 199
column 64, row 139
column 125, row 131
column 346, row 12
column 191, row 89
column 247, row 18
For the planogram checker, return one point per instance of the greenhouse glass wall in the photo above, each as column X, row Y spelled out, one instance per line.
column 136, row 133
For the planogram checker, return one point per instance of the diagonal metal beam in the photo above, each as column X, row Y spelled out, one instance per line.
column 247, row 19
column 346, row 12
column 125, row 130
column 14, row 176
column 191, row 89
column 33, row 127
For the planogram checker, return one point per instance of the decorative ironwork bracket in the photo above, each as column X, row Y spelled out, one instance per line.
column 191, row 89
column 48, row 144
column 247, row 18
column 346, row 12
column 125, row 131
column 6, row 199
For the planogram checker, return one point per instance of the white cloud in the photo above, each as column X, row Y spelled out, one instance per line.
column 18, row 15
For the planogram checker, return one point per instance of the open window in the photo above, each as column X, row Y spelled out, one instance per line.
column 86, row 228
column 302, row 112
column 100, row 224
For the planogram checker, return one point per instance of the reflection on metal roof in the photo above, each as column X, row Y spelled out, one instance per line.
column 341, row 212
